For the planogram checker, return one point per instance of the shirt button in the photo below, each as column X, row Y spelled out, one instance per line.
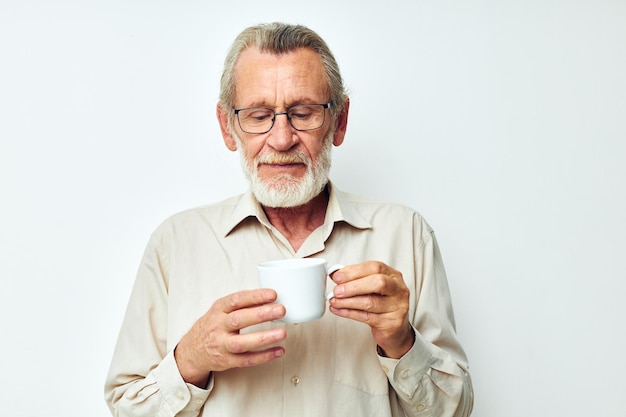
column 404, row 373
column 385, row 369
column 180, row 395
column 295, row 380
column 421, row 407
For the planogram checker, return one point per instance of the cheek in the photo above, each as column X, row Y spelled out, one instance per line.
column 251, row 149
column 317, row 147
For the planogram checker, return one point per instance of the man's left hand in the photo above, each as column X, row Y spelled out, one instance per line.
column 375, row 294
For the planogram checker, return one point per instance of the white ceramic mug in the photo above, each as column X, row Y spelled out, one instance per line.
column 300, row 284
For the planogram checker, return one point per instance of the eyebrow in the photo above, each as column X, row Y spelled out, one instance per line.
column 265, row 105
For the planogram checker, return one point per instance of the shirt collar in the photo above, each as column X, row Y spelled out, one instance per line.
column 340, row 209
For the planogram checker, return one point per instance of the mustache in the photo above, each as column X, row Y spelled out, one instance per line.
column 291, row 157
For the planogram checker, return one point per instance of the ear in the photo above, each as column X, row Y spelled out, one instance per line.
column 341, row 124
column 222, row 118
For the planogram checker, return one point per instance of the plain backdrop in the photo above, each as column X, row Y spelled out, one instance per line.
column 502, row 122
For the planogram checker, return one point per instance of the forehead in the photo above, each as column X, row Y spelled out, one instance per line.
column 263, row 78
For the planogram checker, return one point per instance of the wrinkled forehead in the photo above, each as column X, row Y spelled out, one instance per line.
column 264, row 78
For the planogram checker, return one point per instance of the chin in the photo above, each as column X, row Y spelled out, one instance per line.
column 287, row 192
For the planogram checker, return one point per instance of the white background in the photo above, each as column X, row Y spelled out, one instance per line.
column 502, row 122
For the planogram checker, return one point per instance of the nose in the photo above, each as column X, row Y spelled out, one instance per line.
column 282, row 137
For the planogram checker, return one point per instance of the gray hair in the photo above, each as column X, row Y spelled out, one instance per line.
column 280, row 38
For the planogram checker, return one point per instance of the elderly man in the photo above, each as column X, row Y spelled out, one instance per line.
column 200, row 338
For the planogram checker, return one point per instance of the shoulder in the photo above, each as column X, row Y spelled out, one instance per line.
column 373, row 206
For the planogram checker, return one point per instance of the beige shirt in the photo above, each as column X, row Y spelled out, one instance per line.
column 331, row 366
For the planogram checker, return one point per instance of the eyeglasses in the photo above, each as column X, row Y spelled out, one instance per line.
column 303, row 117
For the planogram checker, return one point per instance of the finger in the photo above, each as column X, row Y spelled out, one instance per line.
column 260, row 357
column 245, row 299
column 250, row 342
column 378, row 284
column 385, row 322
column 370, row 303
column 246, row 317
column 357, row 315
column 358, row 271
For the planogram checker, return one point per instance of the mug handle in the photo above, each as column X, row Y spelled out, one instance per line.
column 329, row 272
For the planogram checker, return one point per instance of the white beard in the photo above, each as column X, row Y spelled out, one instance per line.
column 285, row 190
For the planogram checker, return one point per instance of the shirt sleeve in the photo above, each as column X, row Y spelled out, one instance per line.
column 427, row 385
column 432, row 379
column 143, row 379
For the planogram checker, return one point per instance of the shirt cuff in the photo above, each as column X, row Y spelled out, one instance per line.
column 405, row 373
column 181, row 398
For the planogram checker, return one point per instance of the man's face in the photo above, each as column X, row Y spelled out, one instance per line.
column 285, row 167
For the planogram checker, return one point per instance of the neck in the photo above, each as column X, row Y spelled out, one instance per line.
column 297, row 223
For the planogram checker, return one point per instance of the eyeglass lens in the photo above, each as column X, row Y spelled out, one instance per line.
column 301, row 117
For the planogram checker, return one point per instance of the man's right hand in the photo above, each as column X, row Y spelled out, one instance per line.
column 214, row 343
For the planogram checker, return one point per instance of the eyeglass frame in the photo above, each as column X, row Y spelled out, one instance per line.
column 286, row 113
